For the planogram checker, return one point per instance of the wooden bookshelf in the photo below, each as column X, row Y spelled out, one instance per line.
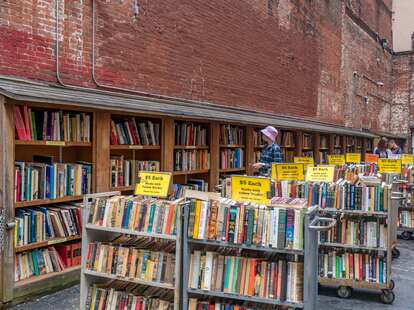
column 232, row 170
column 53, row 143
column 42, row 202
column 135, row 147
column 43, row 244
column 201, row 171
column 232, row 141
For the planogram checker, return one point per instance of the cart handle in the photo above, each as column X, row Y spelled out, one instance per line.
column 315, row 223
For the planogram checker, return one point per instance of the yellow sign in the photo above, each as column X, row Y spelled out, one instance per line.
column 407, row 159
column 320, row 174
column 386, row 165
column 306, row 161
column 288, row 172
column 371, row 158
column 250, row 189
column 154, row 184
column 338, row 160
column 353, row 157
column 56, row 143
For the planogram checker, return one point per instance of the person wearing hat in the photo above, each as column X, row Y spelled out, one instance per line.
column 271, row 152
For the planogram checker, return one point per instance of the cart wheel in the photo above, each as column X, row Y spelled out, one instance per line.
column 392, row 284
column 387, row 297
column 406, row 235
column 344, row 291
column 395, row 253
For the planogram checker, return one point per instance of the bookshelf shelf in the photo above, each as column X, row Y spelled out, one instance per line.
column 191, row 172
column 123, row 188
column 288, row 146
column 129, row 232
column 191, row 147
column 253, row 299
column 167, row 286
column 324, row 149
column 232, row 170
column 245, row 247
column 352, row 283
column 259, row 146
column 357, row 212
column 53, row 143
column 46, row 243
column 134, row 147
column 353, row 247
column 39, row 202
column 232, row 146
column 404, row 228
column 49, row 277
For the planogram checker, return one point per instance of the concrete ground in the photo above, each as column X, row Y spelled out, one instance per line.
column 403, row 275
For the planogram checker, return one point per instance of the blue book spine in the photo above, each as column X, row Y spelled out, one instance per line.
column 352, row 199
column 52, row 182
column 32, row 226
column 151, row 218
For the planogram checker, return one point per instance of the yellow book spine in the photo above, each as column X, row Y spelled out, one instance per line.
column 197, row 218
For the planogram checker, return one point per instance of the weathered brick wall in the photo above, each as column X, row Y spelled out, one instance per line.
column 293, row 57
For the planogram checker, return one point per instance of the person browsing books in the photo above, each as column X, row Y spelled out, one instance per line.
column 271, row 152
column 395, row 149
column 381, row 150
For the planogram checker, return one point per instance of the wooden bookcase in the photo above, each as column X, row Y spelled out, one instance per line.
column 290, row 144
column 59, row 151
column 228, row 148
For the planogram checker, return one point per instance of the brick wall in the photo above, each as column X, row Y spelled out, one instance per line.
column 294, row 57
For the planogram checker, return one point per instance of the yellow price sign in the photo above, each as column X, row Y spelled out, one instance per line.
column 251, row 189
column 338, row 160
column 288, row 172
column 353, row 157
column 386, row 165
column 156, row 184
column 320, row 174
column 407, row 159
column 306, row 161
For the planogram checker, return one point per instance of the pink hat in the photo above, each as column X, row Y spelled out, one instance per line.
column 270, row 132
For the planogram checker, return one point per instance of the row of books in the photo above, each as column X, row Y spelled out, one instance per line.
column 134, row 213
column 190, row 134
column 256, row 156
column 179, row 190
column 353, row 266
column 195, row 304
column 406, row 218
column 37, row 262
column 277, row 279
column 35, row 180
column 43, row 125
column 357, row 231
column 323, row 157
column 258, row 138
column 133, row 131
column 288, row 139
column 307, row 154
column 232, row 135
column 324, row 142
column 109, row 298
column 129, row 262
column 124, row 171
column 231, row 158
column 307, row 141
column 288, row 155
column 70, row 253
column 240, row 223
column 185, row 160
column 41, row 224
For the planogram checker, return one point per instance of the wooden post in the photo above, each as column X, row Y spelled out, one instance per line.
column 214, row 154
column 101, row 153
column 249, row 150
column 331, row 143
column 167, row 146
column 299, row 142
column 316, row 147
column 7, row 198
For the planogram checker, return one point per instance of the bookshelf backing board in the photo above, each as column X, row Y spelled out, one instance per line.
column 98, row 152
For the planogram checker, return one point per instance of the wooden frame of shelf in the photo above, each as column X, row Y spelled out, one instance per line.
column 46, row 243
column 247, row 148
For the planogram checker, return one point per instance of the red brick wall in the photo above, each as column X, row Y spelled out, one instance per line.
column 279, row 56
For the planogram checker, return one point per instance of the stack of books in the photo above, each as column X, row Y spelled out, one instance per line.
column 258, row 138
column 70, row 253
column 406, row 218
column 190, row 134
column 124, row 171
column 288, row 139
column 109, row 298
column 41, row 224
column 37, row 262
column 231, row 135
column 133, row 131
column 307, row 141
column 188, row 160
column 277, row 279
column 231, row 158
column 241, row 223
column 353, row 266
column 43, row 125
column 131, row 262
column 134, row 213
column 38, row 180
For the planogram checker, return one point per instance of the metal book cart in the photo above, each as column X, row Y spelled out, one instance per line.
column 309, row 255
column 406, row 232
column 345, row 286
column 96, row 233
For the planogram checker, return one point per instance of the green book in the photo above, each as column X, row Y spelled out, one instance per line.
column 250, row 226
column 226, row 274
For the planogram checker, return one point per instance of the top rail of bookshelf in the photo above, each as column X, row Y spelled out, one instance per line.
column 130, row 232
column 134, row 147
column 53, row 143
